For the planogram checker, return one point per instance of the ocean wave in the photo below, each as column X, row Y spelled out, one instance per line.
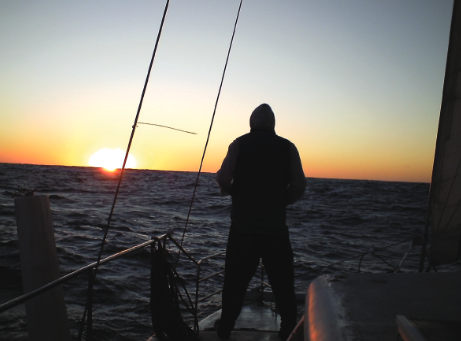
column 333, row 220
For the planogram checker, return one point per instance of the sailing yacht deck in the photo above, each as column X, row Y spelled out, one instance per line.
column 257, row 322
column 365, row 306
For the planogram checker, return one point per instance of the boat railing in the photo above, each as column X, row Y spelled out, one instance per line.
column 260, row 289
column 373, row 253
column 65, row 278
column 200, row 266
column 90, row 268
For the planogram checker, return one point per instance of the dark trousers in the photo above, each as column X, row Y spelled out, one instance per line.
column 242, row 259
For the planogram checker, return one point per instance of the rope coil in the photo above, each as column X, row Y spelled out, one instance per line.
column 164, row 303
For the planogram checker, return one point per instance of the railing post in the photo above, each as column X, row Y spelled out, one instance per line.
column 46, row 314
column 261, row 288
column 196, row 297
column 89, row 331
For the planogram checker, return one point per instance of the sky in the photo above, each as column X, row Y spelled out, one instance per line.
column 355, row 85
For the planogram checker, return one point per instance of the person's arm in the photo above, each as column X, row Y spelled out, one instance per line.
column 297, row 183
column 225, row 174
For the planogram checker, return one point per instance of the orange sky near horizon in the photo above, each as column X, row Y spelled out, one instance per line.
column 345, row 165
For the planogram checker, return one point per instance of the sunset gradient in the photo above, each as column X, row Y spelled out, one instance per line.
column 356, row 85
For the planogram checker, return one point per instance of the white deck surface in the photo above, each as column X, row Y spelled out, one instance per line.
column 252, row 316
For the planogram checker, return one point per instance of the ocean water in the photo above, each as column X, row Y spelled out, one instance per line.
column 331, row 226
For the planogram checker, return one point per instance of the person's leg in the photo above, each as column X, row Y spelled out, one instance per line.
column 278, row 261
column 241, row 263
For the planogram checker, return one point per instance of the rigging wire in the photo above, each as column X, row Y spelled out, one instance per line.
column 365, row 253
column 209, row 131
column 159, row 125
column 109, row 219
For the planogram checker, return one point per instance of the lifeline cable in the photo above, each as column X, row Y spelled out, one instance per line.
column 364, row 253
column 125, row 160
column 209, row 131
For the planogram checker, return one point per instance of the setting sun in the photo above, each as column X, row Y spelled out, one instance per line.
column 111, row 159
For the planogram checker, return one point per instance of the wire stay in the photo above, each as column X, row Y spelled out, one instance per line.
column 162, row 126
column 209, row 131
column 109, row 219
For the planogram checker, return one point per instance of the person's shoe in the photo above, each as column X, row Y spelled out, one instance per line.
column 284, row 332
column 222, row 333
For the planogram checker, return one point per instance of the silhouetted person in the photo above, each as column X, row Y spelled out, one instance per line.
column 263, row 174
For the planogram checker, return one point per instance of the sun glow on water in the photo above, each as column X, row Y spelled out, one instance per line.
column 111, row 159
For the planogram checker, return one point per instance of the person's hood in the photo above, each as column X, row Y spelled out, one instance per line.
column 262, row 118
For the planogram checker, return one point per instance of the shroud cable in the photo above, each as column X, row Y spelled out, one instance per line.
column 109, row 219
column 209, row 131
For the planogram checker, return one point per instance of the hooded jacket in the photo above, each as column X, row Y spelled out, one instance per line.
column 263, row 173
